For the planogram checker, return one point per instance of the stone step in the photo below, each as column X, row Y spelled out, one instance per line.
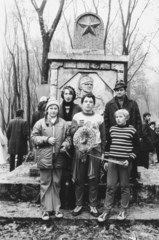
column 18, row 185
column 27, row 211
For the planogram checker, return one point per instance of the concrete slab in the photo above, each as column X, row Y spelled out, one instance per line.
column 28, row 211
column 18, row 185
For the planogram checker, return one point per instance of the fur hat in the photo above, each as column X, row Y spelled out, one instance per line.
column 43, row 99
column 19, row 112
column 52, row 101
column 120, row 84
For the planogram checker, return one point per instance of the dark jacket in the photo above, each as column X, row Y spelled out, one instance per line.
column 131, row 106
column 42, row 130
column 76, row 109
column 17, row 134
column 147, row 141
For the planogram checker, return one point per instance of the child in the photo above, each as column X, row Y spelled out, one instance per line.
column 122, row 145
column 88, row 165
column 50, row 136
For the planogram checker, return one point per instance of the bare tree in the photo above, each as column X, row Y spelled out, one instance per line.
column 129, row 25
column 27, row 62
column 46, row 35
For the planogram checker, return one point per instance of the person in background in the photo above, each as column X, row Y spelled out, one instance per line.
column 121, row 101
column 88, row 166
column 147, row 144
column 40, row 112
column 122, row 145
column 67, row 110
column 157, row 140
column 50, row 135
column 153, row 155
column 17, row 134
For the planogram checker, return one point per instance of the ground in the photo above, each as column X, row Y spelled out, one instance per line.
column 82, row 231
column 142, row 225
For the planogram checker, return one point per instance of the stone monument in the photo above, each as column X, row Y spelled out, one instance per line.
column 87, row 69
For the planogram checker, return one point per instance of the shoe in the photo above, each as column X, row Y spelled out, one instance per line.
column 58, row 214
column 45, row 216
column 94, row 211
column 103, row 217
column 77, row 211
column 122, row 215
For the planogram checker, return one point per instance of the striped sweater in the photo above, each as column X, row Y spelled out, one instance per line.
column 122, row 142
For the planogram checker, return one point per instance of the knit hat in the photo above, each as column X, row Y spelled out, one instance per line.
column 43, row 99
column 52, row 101
column 120, row 84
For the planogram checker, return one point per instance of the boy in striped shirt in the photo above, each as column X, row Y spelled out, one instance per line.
column 122, row 145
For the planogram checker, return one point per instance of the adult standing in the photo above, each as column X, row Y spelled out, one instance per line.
column 67, row 110
column 147, row 144
column 121, row 101
column 17, row 134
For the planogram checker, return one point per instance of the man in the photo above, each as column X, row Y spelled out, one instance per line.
column 85, row 87
column 121, row 101
column 17, row 134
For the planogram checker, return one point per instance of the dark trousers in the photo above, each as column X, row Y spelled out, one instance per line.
column 12, row 161
column 93, row 183
column 134, row 173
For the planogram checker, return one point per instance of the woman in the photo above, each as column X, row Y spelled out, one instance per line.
column 88, row 165
column 50, row 136
column 67, row 110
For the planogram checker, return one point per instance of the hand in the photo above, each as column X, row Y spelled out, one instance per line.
column 63, row 149
column 106, row 166
column 102, row 157
column 52, row 140
column 126, row 163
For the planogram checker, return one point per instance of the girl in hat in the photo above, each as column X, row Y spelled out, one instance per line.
column 50, row 135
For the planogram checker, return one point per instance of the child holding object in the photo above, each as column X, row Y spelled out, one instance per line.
column 89, row 141
column 122, row 145
column 51, row 137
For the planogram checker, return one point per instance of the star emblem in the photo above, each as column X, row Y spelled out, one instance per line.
column 89, row 27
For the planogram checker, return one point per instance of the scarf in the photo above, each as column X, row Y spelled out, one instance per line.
column 67, row 110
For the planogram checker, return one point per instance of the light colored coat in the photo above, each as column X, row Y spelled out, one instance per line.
column 42, row 130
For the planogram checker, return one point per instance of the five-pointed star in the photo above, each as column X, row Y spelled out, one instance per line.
column 89, row 27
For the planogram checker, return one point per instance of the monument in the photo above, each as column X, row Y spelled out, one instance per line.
column 87, row 67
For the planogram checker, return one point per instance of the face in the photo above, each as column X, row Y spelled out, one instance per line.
column 88, row 105
column 148, row 118
column 120, row 119
column 53, row 111
column 87, row 87
column 120, row 92
column 67, row 96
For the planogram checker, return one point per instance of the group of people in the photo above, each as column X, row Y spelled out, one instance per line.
column 117, row 145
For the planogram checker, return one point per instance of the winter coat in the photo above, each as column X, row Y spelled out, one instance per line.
column 42, row 130
column 147, row 141
column 17, row 134
column 131, row 106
